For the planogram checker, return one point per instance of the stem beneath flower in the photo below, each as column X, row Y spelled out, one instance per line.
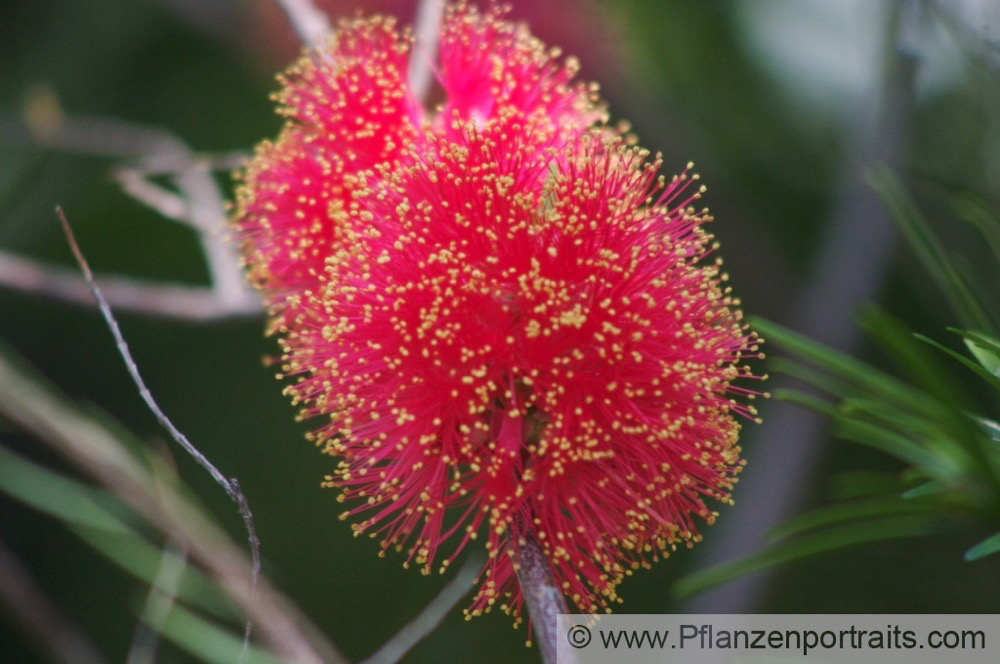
column 541, row 595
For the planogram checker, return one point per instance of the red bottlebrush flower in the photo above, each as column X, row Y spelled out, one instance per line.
column 349, row 109
column 507, row 318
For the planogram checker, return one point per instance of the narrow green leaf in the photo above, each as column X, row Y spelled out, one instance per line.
column 854, row 484
column 857, row 510
column 922, row 366
column 914, row 423
column 984, row 348
column 805, row 400
column 941, row 431
column 875, row 382
column 810, row 545
column 930, row 488
column 822, row 380
column 990, row 428
column 876, row 435
column 897, row 445
column 918, row 234
column 987, row 547
column 210, row 642
column 60, row 496
column 979, row 215
column 975, row 367
column 140, row 558
column 99, row 520
column 967, row 428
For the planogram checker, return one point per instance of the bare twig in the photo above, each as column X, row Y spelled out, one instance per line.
column 191, row 303
column 231, row 486
column 156, row 151
column 311, row 25
column 134, row 183
column 29, row 606
column 207, row 214
column 198, row 203
column 542, row 596
column 427, row 29
column 94, row 136
column 95, row 450
column 395, row 648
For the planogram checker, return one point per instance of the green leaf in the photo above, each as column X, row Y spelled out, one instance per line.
column 979, row 215
column 976, row 368
column 984, row 348
column 987, row 547
column 876, row 383
column 854, row 484
column 101, row 521
column 140, row 558
column 846, row 512
column 930, row 488
column 208, row 641
column 853, row 422
column 896, row 444
column 990, row 428
column 943, row 433
column 806, row 400
column 59, row 496
column 810, row 545
column 922, row 366
column 824, row 381
column 918, row 234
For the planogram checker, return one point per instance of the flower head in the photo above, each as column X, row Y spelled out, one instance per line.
column 506, row 318
column 349, row 109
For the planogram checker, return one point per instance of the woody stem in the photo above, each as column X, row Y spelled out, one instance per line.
column 541, row 595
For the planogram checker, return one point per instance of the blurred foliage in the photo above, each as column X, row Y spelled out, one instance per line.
column 697, row 85
column 926, row 419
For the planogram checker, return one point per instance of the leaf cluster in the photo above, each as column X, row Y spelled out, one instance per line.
column 924, row 417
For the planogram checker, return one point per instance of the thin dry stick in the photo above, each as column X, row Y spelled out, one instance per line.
column 168, row 204
column 416, row 631
column 542, row 597
column 37, row 614
column 198, row 203
column 231, row 486
column 311, row 25
column 95, row 450
column 192, row 303
column 207, row 214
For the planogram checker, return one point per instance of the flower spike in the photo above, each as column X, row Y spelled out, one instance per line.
column 506, row 321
